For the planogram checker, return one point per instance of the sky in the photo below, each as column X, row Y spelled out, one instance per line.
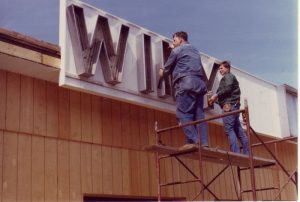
column 257, row 36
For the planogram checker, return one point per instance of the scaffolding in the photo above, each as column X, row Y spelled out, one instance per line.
column 230, row 159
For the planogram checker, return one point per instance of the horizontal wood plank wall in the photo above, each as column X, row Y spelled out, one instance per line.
column 58, row 144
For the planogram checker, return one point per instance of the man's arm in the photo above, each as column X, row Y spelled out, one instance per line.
column 225, row 87
column 169, row 65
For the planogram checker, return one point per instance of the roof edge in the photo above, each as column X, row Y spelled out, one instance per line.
column 28, row 42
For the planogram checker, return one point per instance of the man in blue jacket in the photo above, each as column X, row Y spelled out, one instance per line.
column 228, row 97
column 184, row 63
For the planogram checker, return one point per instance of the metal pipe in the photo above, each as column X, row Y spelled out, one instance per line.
column 200, row 163
column 158, row 177
column 179, row 153
column 259, row 166
column 296, row 179
column 250, row 152
column 281, row 189
column 273, row 156
column 210, row 182
column 274, row 141
column 157, row 165
column 262, row 189
column 179, row 182
column 195, row 176
column 240, row 183
column 235, row 187
column 200, row 121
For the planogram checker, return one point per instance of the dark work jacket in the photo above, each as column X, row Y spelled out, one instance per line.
column 184, row 60
column 228, row 90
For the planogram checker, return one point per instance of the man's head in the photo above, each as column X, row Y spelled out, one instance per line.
column 224, row 67
column 179, row 38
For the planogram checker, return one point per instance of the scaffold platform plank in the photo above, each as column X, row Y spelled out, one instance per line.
column 214, row 155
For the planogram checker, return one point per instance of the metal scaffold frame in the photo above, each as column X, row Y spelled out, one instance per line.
column 201, row 153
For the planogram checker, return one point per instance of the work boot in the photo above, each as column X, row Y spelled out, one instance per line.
column 203, row 145
column 188, row 146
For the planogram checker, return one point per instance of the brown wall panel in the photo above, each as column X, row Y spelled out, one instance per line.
column 176, row 177
column 163, row 120
column 72, row 143
column 289, row 193
column 210, row 173
column 275, row 182
column 288, row 155
column 38, row 168
column 190, row 186
column 86, row 117
column 52, row 109
column 126, row 181
column 117, row 181
column 151, row 126
column 144, row 174
column 75, row 116
column 116, row 123
column 259, row 179
column 10, row 169
column 184, row 177
column 97, row 119
column 97, row 177
column 3, row 90
column 107, row 171
column 39, row 107
column 26, row 105
column 134, row 172
column 152, row 174
column 64, row 113
column 134, row 135
column 24, row 168
column 75, row 172
column 12, row 102
column 169, row 176
column 217, row 141
column 196, row 170
column 143, row 128
column 125, row 125
column 86, row 168
column 107, row 135
column 269, row 182
column 63, row 170
column 175, row 164
column 51, row 169
column 231, row 179
column 211, row 167
column 1, row 163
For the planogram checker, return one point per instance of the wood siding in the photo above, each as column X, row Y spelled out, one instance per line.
column 57, row 145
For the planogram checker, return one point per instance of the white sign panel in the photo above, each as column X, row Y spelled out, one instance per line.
column 105, row 55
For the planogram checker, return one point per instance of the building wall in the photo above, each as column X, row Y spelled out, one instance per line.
column 58, row 144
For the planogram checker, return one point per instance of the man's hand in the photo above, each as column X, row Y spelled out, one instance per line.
column 212, row 100
column 161, row 72
column 171, row 45
column 161, row 75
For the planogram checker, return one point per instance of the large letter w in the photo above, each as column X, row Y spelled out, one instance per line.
column 101, row 49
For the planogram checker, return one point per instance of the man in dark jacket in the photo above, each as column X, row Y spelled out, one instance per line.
column 184, row 63
column 228, row 96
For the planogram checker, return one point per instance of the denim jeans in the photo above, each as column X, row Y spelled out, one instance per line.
column 234, row 130
column 189, row 103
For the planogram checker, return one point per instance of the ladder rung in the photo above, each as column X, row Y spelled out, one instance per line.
column 262, row 189
column 266, row 165
column 179, row 182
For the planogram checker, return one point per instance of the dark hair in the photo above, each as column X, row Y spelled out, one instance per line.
column 182, row 35
column 226, row 64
